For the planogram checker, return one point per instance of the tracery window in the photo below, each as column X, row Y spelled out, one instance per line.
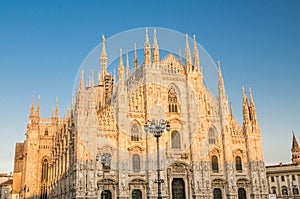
column 175, row 140
column 46, row 132
column 135, row 133
column 211, row 136
column 214, row 164
column 238, row 163
column 44, row 179
column 172, row 100
column 45, row 170
column 136, row 165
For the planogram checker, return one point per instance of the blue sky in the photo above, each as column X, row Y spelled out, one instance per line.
column 43, row 43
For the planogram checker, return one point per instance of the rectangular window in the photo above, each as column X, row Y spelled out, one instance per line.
column 272, row 179
column 282, row 178
column 293, row 177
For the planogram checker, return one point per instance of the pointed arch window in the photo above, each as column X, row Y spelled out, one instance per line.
column 45, row 170
column 136, row 162
column 214, row 164
column 211, row 136
column 44, row 179
column 135, row 133
column 172, row 100
column 175, row 140
column 238, row 163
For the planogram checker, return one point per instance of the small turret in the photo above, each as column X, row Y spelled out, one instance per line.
column 81, row 83
column 155, row 49
column 32, row 113
column 196, row 56
column 188, row 59
column 92, row 79
column 135, row 61
column 180, row 57
column 127, row 67
column 38, row 110
column 222, row 93
column 121, row 67
column 246, row 116
column 252, row 108
column 147, row 53
column 56, row 107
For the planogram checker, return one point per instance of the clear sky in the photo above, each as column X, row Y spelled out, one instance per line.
column 42, row 44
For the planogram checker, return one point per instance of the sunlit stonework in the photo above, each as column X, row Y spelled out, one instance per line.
column 206, row 154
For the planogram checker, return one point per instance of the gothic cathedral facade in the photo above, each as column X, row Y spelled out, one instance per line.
column 206, row 153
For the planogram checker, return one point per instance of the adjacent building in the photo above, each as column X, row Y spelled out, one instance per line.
column 5, row 189
column 284, row 179
column 206, row 153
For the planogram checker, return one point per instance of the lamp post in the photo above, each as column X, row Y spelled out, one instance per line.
column 157, row 128
column 105, row 161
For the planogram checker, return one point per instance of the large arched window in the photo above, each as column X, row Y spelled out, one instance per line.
column 172, row 100
column 135, row 133
column 211, row 136
column 214, row 164
column 238, row 163
column 217, row 193
column 136, row 165
column 175, row 140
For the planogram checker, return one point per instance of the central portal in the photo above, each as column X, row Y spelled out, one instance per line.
column 178, row 188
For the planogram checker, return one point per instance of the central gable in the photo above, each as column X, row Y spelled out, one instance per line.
column 172, row 64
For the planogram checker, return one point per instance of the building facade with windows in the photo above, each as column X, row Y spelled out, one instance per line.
column 206, row 154
column 284, row 179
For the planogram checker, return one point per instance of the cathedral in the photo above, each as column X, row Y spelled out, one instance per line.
column 101, row 149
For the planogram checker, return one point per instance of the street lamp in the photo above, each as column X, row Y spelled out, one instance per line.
column 105, row 161
column 157, row 128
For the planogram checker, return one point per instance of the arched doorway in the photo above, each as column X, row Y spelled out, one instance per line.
column 178, row 188
column 106, row 194
column 136, row 194
column 242, row 193
column 217, row 193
